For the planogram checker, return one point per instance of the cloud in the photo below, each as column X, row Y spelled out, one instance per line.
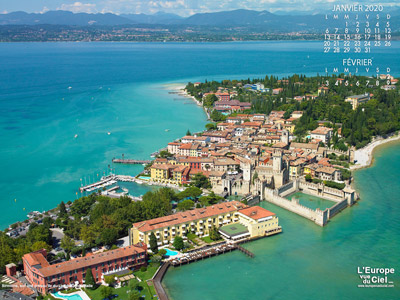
column 44, row 10
column 78, row 7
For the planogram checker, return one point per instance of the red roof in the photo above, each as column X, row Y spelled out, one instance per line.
column 189, row 216
column 256, row 212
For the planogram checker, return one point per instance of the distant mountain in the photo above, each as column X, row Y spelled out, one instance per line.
column 158, row 18
column 60, row 17
column 257, row 19
column 261, row 21
column 233, row 17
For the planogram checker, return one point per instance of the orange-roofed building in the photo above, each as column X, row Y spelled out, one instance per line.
column 253, row 222
column 198, row 220
column 46, row 277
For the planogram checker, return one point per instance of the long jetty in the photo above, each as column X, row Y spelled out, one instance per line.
column 130, row 161
column 245, row 251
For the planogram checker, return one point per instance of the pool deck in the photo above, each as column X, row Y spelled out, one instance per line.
column 82, row 294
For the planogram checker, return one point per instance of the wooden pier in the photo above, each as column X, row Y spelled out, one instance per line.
column 204, row 253
column 131, row 161
column 245, row 251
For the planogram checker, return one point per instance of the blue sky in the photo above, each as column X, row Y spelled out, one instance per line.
column 181, row 7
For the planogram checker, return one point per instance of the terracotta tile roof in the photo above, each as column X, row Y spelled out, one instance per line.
column 162, row 167
column 36, row 258
column 186, row 146
column 179, row 169
column 88, row 261
column 256, row 212
column 321, row 130
column 189, row 216
column 327, row 170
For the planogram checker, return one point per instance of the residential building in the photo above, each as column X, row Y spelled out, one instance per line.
column 322, row 133
column 198, row 220
column 356, row 100
column 46, row 277
column 232, row 105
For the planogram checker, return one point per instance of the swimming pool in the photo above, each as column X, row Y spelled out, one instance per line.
column 170, row 252
column 73, row 296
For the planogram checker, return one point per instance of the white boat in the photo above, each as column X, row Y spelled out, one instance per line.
column 75, row 136
column 108, row 133
column 166, row 130
column 70, row 87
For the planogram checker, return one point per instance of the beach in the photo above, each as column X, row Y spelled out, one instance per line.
column 364, row 156
column 181, row 91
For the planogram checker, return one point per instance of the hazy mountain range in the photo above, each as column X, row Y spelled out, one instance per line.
column 295, row 21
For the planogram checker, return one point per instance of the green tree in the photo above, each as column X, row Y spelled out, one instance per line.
column 89, row 279
column 106, row 291
column 109, row 279
column 209, row 100
column 39, row 233
column 214, row 234
column 200, row 181
column 165, row 154
column 308, row 178
column 134, row 295
column 178, row 243
column 192, row 192
column 40, row 245
column 6, row 253
column 108, row 236
column 188, row 132
column 211, row 126
column 217, row 116
column 153, row 243
column 67, row 243
column 62, row 211
column 87, row 234
column 185, row 205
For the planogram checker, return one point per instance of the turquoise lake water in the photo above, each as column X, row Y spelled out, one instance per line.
column 307, row 261
column 117, row 88
column 120, row 88
column 311, row 201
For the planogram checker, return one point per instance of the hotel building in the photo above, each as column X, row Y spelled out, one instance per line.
column 46, row 277
column 253, row 222
column 200, row 220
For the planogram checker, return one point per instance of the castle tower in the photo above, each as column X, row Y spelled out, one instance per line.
column 285, row 137
column 246, row 168
column 277, row 162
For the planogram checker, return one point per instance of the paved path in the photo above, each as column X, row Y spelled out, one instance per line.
column 162, row 295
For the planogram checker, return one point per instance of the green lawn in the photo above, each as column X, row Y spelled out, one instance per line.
column 207, row 239
column 192, row 237
column 123, row 292
column 148, row 274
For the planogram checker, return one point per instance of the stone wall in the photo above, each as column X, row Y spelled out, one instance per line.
column 317, row 216
column 338, row 207
column 321, row 191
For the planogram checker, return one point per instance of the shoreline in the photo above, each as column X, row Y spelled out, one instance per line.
column 365, row 155
column 180, row 88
